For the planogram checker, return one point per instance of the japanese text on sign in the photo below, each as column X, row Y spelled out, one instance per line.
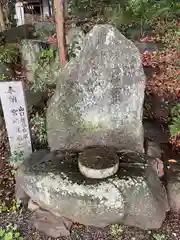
column 15, row 114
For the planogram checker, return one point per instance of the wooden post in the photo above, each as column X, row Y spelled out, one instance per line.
column 61, row 40
column 2, row 23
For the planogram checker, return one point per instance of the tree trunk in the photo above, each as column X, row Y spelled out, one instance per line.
column 6, row 14
column 2, row 23
column 61, row 40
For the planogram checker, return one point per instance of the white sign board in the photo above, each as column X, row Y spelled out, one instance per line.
column 15, row 115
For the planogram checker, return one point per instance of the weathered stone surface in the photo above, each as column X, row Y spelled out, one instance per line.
column 156, row 131
column 45, row 71
column 36, row 99
column 98, row 162
column 15, row 34
column 50, row 224
column 75, row 40
column 32, row 206
column 173, row 185
column 157, row 107
column 153, row 149
column 100, row 96
column 44, row 29
column 134, row 196
column 30, row 50
column 19, row 192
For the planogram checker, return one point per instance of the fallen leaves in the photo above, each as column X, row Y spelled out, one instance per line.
column 165, row 80
column 7, row 180
column 172, row 161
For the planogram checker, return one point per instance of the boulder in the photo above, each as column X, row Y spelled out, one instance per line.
column 134, row 196
column 157, row 108
column 99, row 99
column 30, row 51
column 153, row 149
column 173, row 184
column 44, row 29
column 155, row 130
column 41, row 59
column 50, row 224
column 17, row 33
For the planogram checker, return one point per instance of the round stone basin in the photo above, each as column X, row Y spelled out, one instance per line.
column 98, row 162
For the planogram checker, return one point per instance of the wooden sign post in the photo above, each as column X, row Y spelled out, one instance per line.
column 15, row 115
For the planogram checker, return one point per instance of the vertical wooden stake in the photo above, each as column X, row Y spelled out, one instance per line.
column 2, row 23
column 61, row 39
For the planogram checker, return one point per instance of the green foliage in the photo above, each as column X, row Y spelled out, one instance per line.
column 9, row 54
column 3, row 77
column 46, row 55
column 43, row 70
column 73, row 48
column 38, row 128
column 43, row 31
column 17, row 158
column 175, row 124
column 15, row 207
column 116, row 229
column 142, row 13
column 158, row 236
column 10, row 232
column 47, row 67
column 171, row 38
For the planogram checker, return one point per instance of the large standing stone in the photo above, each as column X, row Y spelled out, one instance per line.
column 100, row 96
column 134, row 196
column 30, row 50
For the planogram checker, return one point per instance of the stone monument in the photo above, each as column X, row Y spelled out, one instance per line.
column 99, row 99
column 96, row 172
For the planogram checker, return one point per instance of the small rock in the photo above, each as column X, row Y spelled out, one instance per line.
column 19, row 192
column 172, row 172
column 50, row 224
column 32, row 206
column 153, row 149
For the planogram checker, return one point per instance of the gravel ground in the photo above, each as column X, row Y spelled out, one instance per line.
column 169, row 231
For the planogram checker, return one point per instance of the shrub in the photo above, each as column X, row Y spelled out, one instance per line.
column 142, row 13
column 16, row 158
column 10, row 233
column 38, row 129
column 175, row 124
column 9, row 54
